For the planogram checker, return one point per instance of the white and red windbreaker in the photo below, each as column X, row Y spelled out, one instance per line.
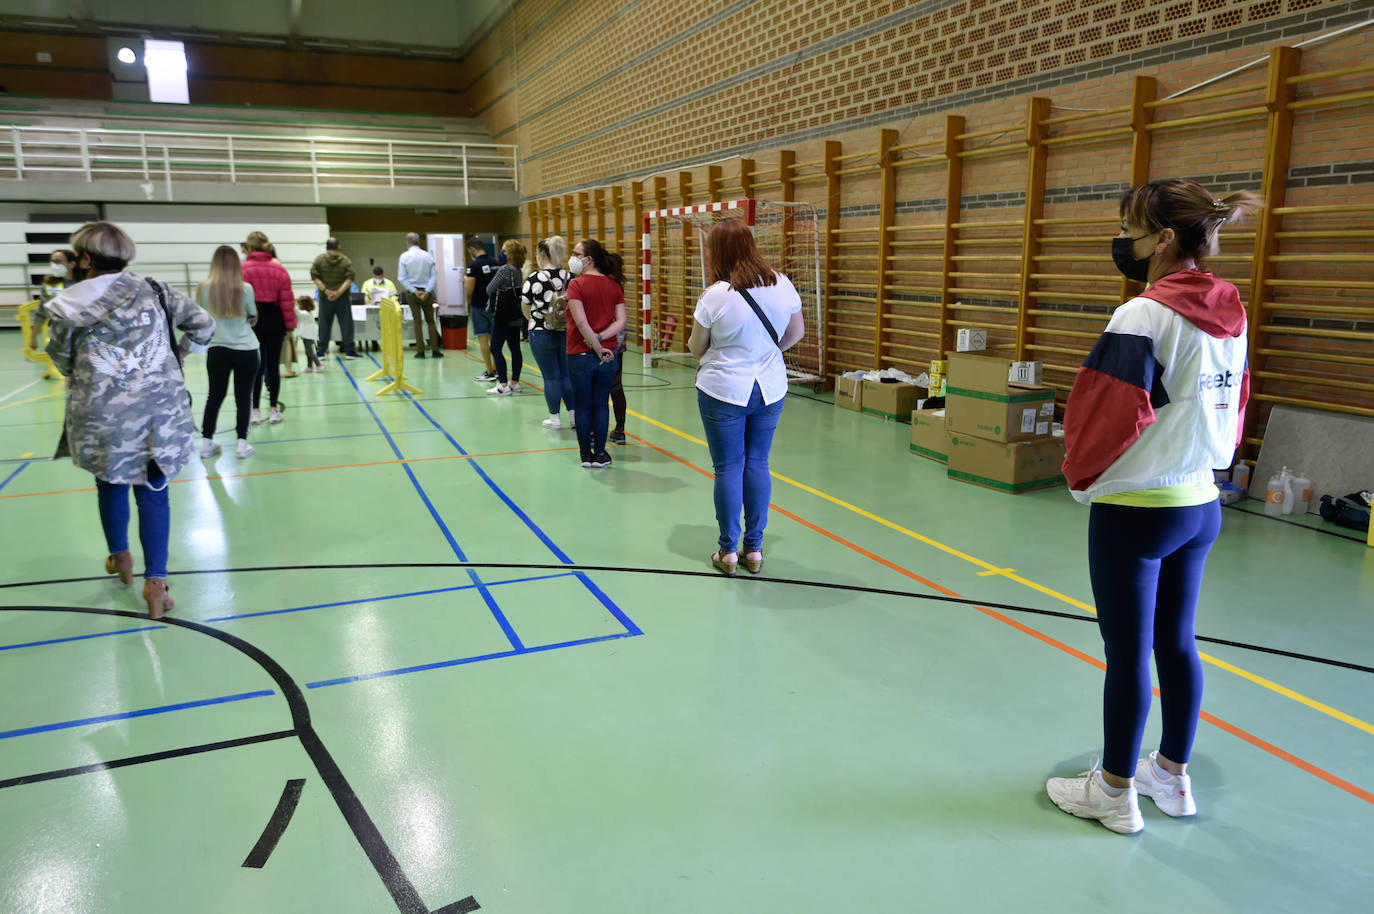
column 1161, row 399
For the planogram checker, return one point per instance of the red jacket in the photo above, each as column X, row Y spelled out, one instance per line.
column 271, row 283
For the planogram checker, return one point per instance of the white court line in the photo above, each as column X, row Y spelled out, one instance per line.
column 20, row 389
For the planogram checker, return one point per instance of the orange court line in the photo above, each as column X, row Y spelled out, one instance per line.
column 340, row 466
column 1225, row 725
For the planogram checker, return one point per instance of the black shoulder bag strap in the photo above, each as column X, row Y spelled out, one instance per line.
column 167, row 312
column 763, row 318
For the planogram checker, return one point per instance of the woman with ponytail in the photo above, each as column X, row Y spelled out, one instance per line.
column 1159, row 403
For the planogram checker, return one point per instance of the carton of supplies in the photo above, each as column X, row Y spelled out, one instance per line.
column 1007, row 467
column 849, row 391
column 890, row 399
column 1013, row 414
column 970, row 339
column 929, row 438
column 1026, row 374
column 978, row 371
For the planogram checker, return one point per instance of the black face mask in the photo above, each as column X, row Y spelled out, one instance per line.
column 1123, row 255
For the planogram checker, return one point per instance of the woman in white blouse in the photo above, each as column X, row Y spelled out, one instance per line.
column 743, row 323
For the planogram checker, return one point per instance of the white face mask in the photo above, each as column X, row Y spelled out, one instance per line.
column 575, row 264
column 57, row 269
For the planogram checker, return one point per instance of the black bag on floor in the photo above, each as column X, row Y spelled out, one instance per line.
column 1350, row 511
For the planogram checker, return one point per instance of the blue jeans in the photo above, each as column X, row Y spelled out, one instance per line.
column 1146, row 567
column 550, row 348
column 154, row 519
column 740, row 438
column 591, row 387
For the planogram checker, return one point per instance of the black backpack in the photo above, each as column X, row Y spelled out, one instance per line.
column 1350, row 511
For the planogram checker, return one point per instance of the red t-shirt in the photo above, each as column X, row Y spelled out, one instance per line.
column 599, row 296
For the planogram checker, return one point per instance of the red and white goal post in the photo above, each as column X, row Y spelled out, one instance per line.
column 675, row 274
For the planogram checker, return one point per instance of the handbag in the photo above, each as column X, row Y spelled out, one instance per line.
column 763, row 318
column 506, row 307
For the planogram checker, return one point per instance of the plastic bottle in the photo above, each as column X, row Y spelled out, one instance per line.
column 1302, row 493
column 1287, row 491
column 1273, row 495
column 1240, row 475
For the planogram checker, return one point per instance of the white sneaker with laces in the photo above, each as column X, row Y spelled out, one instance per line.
column 499, row 390
column 274, row 416
column 1173, row 794
column 244, row 449
column 208, row 448
column 552, row 422
column 256, row 417
column 1084, row 797
column 516, row 387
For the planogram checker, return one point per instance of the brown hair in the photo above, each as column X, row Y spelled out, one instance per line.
column 1189, row 209
column 515, row 252
column 305, row 303
column 256, row 241
column 108, row 246
column 733, row 256
column 224, row 285
column 608, row 264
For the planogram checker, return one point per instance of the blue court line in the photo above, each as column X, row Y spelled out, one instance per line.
column 562, row 556
column 448, row 534
column 17, row 471
column 462, row 661
column 127, row 715
column 395, row 596
column 123, row 631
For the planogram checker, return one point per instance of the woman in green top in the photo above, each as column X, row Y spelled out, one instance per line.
column 233, row 350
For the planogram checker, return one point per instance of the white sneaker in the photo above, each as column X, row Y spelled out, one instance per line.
column 499, row 389
column 208, row 448
column 244, row 449
column 256, row 417
column 1172, row 794
column 515, row 387
column 572, row 420
column 274, row 416
column 1084, row 797
column 552, row 422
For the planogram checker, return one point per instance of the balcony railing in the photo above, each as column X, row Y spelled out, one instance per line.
column 169, row 157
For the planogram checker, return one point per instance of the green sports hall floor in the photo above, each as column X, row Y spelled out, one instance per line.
column 494, row 678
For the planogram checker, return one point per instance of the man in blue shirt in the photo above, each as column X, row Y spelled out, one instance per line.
column 479, row 273
column 417, row 276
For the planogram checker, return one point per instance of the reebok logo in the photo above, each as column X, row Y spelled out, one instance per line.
column 1217, row 381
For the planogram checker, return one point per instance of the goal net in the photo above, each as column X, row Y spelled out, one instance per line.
column 674, row 242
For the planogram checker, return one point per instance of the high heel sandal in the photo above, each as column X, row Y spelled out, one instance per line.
column 156, row 596
column 122, row 564
column 726, row 568
column 754, row 566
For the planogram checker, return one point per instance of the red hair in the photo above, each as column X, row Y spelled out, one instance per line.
column 734, row 257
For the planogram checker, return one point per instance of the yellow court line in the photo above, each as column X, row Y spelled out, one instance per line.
column 51, row 393
column 990, row 568
column 988, row 574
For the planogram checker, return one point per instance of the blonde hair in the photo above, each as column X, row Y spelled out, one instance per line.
column 1189, row 209
column 515, row 252
column 256, row 241
column 109, row 246
column 556, row 246
column 224, row 286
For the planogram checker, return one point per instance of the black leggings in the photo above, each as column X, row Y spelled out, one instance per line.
column 220, row 362
column 618, row 394
column 508, row 335
column 271, row 330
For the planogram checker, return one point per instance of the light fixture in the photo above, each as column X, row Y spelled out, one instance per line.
column 126, row 55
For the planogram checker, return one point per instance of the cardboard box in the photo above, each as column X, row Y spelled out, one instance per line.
column 977, row 371
column 1026, row 374
column 969, row 339
column 890, row 401
column 849, row 393
column 1007, row 467
column 929, row 437
column 1014, row 414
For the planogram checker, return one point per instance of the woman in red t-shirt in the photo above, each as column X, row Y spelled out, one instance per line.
column 596, row 314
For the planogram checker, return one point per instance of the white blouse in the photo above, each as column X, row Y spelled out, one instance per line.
column 741, row 353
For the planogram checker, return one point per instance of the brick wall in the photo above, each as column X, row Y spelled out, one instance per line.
column 648, row 86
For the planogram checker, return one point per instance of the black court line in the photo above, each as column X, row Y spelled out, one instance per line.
column 388, row 869
column 761, row 579
column 281, row 817
column 144, row 759
column 1354, row 537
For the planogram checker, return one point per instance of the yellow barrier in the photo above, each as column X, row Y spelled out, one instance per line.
column 393, row 351
column 27, row 333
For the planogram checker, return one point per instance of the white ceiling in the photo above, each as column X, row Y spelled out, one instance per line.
column 430, row 24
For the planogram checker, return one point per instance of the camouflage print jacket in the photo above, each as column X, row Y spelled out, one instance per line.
column 126, row 397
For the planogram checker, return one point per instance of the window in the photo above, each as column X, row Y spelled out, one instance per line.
column 166, row 63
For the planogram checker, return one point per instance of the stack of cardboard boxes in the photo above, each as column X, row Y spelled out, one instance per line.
column 993, row 433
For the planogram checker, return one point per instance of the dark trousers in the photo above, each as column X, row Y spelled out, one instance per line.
column 1146, row 566
column 342, row 308
column 591, row 385
column 310, row 358
column 618, row 393
column 220, row 363
column 507, row 335
column 154, row 519
column 422, row 313
column 270, row 330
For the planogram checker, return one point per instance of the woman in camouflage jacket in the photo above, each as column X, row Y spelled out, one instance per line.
column 128, row 414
